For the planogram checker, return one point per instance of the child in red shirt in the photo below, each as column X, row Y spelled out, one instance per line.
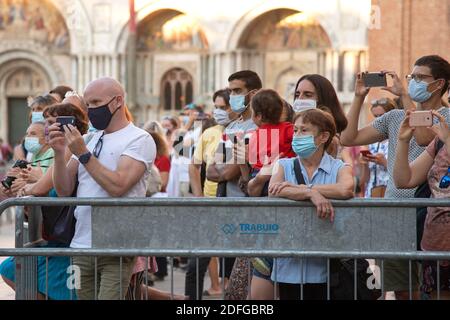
column 273, row 138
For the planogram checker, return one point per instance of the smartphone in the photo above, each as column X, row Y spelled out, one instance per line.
column 421, row 119
column 374, row 79
column 64, row 121
column 366, row 153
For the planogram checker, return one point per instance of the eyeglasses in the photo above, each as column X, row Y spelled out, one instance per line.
column 98, row 146
column 417, row 77
column 445, row 181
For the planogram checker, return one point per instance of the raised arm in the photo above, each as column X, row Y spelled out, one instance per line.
column 407, row 176
column 352, row 136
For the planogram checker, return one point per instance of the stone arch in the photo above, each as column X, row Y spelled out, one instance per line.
column 167, row 5
column 299, row 6
column 37, row 78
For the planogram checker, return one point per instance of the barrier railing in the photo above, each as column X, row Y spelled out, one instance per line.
column 231, row 227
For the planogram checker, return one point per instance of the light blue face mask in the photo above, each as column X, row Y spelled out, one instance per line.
column 37, row 117
column 237, row 103
column 304, row 146
column 32, row 145
column 418, row 91
column 91, row 128
column 221, row 117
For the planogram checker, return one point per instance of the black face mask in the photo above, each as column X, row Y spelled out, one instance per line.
column 100, row 117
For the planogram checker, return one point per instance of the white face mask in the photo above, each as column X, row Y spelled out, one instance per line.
column 221, row 117
column 304, row 104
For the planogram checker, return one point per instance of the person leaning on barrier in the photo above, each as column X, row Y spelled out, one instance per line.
column 42, row 158
column 323, row 178
column 243, row 86
column 427, row 84
column 53, row 267
column 44, row 185
column 115, row 163
column 432, row 166
column 203, row 156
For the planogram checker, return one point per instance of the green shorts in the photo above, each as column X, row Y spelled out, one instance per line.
column 396, row 275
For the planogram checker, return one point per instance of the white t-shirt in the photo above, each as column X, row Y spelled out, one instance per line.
column 129, row 141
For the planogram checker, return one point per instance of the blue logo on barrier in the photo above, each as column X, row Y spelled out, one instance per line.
column 259, row 228
column 251, row 228
column 229, row 228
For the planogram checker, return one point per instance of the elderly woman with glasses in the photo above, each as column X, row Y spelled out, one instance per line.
column 317, row 177
column 432, row 167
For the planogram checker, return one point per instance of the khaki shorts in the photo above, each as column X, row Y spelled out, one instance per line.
column 396, row 275
column 109, row 280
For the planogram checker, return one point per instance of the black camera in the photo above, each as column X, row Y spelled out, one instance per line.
column 8, row 181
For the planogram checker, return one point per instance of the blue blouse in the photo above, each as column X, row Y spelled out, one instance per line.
column 309, row 270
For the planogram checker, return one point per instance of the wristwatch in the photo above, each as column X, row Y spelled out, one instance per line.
column 84, row 158
column 309, row 186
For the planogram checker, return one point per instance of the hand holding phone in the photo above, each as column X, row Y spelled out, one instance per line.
column 374, row 79
column 421, row 119
column 366, row 153
column 64, row 121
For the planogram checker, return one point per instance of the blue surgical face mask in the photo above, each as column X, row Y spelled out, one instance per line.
column 237, row 103
column 91, row 128
column 32, row 145
column 418, row 91
column 304, row 146
column 37, row 117
column 221, row 116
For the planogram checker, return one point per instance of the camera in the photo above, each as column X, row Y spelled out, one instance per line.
column 8, row 181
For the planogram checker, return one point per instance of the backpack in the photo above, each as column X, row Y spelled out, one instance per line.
column 342, row 271
column 423, row 191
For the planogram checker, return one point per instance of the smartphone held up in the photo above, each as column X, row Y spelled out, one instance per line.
column 374, row 79
column 64, row 121
column 421, row 119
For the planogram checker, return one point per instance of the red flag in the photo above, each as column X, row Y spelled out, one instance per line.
column 132, row 17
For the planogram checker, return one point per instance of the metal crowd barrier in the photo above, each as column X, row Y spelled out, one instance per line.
column 229, row 227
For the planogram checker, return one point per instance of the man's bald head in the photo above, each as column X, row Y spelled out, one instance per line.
column 105, row 86
column 109, row 93
column 102, row 91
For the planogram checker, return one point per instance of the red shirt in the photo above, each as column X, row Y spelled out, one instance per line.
column 262, row 148
column 162, row 163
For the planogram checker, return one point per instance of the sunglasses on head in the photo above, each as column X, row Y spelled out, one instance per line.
column 380, row 102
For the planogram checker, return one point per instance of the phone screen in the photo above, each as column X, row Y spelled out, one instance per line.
column 366, row 153
column 375, row 79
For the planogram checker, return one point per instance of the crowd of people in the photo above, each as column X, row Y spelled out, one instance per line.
column 253, row 144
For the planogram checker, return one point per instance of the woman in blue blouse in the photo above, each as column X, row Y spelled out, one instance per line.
column 324, row 178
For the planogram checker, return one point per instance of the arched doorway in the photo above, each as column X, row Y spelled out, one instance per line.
column 176, row 90
column 19, row 80
column 166, row 40
column 281, row 45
